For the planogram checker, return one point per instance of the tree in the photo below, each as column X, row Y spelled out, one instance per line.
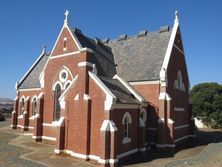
column 207, row 102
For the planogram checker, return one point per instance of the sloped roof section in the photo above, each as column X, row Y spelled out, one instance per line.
column 31, row 80
column 123, row 95
column 102, row 56
column 140, row 58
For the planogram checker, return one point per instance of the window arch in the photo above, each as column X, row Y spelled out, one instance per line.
column 22, row 105
column 57, row 108
column 126, row 121
column 66, row 85
column 34, row 105
column 143, row 114
column 178, row 83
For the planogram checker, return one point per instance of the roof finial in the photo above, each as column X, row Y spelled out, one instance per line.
column 176, row 16
column 66, row 21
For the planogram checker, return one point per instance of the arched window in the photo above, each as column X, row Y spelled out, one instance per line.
column 143, row 114
column 127, row 120
column 57, row 94
column 34, row 106
column 179, row 80
column 22, row 105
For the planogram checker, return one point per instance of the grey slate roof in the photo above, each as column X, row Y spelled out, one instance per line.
column 32, row 79
column 123, row 95
column 140, row 58
column 135, row 58
column 102, row 55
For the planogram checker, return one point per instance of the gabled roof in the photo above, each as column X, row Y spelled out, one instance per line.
column 135, row 58
column 140, row 58
column 101, row 56
column 31, row 79
column 123, row 95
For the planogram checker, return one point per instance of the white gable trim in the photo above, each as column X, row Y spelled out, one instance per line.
column 163, row 77
column 74, row 39
column 33, row 65
column 144, row 82
column 67, row 89
column 30, row 89
column 110, row 97
column 140, row 98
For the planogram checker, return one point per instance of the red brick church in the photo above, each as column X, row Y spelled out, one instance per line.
column 105, row 100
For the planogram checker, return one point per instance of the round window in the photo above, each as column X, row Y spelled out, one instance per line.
column 63, row 75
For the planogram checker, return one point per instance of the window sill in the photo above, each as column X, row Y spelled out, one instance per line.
column 126, row 140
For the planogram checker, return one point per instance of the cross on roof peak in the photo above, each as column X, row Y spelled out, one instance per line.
column 66, row 21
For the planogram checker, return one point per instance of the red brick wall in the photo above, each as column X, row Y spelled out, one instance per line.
column 176, row 63
column 71, row 45
column 117, row 116
column 150, row 92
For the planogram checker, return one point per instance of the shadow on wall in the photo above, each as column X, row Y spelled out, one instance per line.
column 204, row 137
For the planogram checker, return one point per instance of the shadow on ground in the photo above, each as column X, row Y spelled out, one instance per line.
column 203, row 139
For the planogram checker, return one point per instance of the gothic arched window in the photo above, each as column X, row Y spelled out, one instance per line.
column 57, row 94
column 34, row 106
column 22, row 105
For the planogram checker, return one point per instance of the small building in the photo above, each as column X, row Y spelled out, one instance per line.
column 105, row 100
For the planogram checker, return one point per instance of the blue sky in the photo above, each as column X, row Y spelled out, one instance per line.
column 27, row 25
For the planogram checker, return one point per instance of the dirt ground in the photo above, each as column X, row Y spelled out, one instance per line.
column 17, row 149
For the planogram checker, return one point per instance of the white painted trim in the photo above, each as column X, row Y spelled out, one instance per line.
column 153, row 129
column 61, row 79
column 108, row 125
column 127, row 153
column 40, row 95
column 55, row 84
column 184, row 137
column 161, row 120
column 170, row 121
column 86, row 97
column 48, row 124
column 34, row 116
column 64, row 55
column 94, row 157
column 144, row 82
column 57, row 151
column 67, row 89
column 142, row 123
column 20, row 116
column 125, row 116
column 85, row 49
column 140, row 98
column 27, row 98
column 27, row 134
column 30, row 127
column 110, row 97
column 44, row 137
column 33, row 65
column 178, row 109
column 126, row 140
column 74, row 39
column 164, row 96
column 76, row 97
column 165, row 145
column 42, row 79
column 36, row 137
column 30, row 89
column 67, row 82
column 49, row 138
column 83, row 64
column 178, row 49
column 143, row 110
column 163, row 77
column 34, row 97
column 22, row 126
column 181, row 126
